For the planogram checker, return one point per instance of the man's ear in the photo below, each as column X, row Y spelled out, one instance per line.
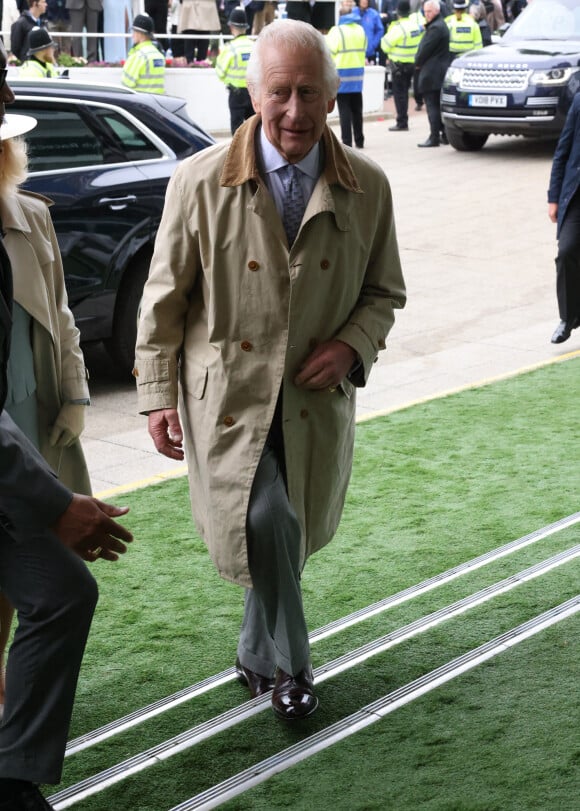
column 255, row 101
column 330, row 105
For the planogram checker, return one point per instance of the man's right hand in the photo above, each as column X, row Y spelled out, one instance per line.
column 165, row 431
column 87, row 527
column 553, row 211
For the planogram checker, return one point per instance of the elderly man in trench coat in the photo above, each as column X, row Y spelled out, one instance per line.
column 263, row 337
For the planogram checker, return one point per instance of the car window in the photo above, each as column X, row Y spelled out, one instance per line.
column 71, row 136
column 547, row 19
column 129, row 141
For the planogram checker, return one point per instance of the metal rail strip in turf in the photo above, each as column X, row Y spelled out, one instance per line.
column 191, row 737
column 164, row 704
column 260, row 772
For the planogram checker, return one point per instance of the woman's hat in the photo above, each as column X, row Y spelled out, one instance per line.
column 14, row 125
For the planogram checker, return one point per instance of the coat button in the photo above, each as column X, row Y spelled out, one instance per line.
column 325, row 264
column 253, row 265
column 229, row 421
column 304, row 413
column 382, row 344
column 246, row 346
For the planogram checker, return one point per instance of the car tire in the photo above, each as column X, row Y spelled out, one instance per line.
column 121, row 344
column 465, row 141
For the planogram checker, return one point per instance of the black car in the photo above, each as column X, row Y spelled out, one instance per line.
column 104, row 156
column 522, row 85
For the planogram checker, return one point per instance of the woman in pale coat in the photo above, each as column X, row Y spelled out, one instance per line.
column 47, row 379
column 198, row 17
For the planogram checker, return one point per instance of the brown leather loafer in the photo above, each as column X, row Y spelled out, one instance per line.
column 257, row 685
column 293, row 696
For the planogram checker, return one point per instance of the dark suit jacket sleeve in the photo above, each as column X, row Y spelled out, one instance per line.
column 31, row 496
column 563, row 150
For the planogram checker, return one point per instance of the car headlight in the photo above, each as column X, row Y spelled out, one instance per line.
column 454, row 75
column 552, row 76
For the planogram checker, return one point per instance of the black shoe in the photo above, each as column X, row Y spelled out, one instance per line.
column 293, row 696
column 399, row 128
column 419, row 106
column 444, row 138
column 257, row 684
column 564, row 330
column 27, row 798
column 429, row 142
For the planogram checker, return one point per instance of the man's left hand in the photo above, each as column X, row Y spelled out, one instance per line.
column 326, row 366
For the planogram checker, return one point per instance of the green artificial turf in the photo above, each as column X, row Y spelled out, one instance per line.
column 433, row 486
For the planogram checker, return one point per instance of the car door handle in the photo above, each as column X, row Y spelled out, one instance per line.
column 118, row 203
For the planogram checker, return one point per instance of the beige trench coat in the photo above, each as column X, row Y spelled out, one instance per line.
column 58, row 361
column 198, row 15
column 231, row 314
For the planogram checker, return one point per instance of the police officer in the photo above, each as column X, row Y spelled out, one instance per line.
column 144, row 69
column 348, row 43
column 230, row 68
column 400, row 43
column 464, row 32
column 40, row 63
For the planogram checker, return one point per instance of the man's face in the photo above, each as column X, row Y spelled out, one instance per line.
column 6, row 94
column 363, row 4
column 292, row 100
column 430, row 11
column 39, row 8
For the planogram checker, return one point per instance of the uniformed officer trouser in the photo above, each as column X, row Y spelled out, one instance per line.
column 402, row 77
column 350, row 113
column 568, row 263
column 55, row 596
column 274, row 629
column 240, row 105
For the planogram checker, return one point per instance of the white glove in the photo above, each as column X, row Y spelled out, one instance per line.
column 68, row 426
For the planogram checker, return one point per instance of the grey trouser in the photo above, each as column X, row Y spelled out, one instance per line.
column 273, row 630
column 55, row 596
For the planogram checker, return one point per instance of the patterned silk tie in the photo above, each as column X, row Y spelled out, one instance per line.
column 294, row 204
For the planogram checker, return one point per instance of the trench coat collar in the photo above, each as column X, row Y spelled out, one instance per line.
column 241, row 164
column 34, row 253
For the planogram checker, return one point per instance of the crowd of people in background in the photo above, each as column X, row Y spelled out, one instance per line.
column 200, row 19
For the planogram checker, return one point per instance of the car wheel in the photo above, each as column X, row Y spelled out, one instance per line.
column 465, row 141
column 121, row 344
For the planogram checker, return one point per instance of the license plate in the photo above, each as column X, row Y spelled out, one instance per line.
column 487, row 101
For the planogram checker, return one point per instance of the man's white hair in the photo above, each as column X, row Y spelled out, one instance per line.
column 435, row 3
column 292, row 35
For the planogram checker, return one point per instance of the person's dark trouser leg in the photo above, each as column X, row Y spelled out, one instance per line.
column 568, row 263
column 274, row 629
column 345, row 116
column 240, row 107
column 356, row 106
column 401, row 95
column 55, row 596
column 417, row 95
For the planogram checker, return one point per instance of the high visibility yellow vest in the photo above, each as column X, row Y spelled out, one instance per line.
column 402, row 39
column 144, row 69
column 464, row 34
column 348, row 45
column 232, row 61
column 33, row 69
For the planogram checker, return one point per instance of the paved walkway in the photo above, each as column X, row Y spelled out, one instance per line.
column 478, row 256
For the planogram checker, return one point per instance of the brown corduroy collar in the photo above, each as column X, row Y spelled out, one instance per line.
column 241, row 162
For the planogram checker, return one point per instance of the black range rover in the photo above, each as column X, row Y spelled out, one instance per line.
column 522, row 85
